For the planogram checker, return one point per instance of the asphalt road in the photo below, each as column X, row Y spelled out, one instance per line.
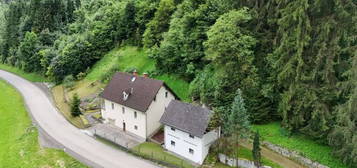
column 76, row 143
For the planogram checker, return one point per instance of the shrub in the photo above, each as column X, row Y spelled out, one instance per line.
column 68, row 82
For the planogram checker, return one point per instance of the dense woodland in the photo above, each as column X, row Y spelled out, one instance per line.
column 293, row 60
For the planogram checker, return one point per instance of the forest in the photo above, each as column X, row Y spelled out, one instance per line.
column 293, row 60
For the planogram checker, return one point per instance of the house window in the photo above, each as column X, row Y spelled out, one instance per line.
column 173, row 129
column 135, row 114
column 191, row 151
column 155, row 98
column 136, row 127
column 191, row 136
column 112, row 105
column 172, row 143
column 123, row 109
column 166, row 94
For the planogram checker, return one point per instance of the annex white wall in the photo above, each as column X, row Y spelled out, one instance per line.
column 116, row 113
column 208, row 139
column 157, row 109
column 183, row 142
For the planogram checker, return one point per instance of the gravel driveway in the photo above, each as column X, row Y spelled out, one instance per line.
column 76, row 143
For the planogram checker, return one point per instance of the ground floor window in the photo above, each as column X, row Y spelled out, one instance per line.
column 173, row 143
column 191, row 151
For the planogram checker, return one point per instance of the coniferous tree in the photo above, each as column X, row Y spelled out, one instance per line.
column 256, row 150
column 75, row 111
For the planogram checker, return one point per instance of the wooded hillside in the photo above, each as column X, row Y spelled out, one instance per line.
column 294, row 60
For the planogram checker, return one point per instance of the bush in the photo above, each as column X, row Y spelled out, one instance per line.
column 81, row 75
column 68, row 82
column 108, row 75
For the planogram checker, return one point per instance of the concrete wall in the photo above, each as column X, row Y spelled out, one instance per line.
column 116, row 114
column 294, row 156
column 208, row 139
column 183, row 142
column 157, row 109
column 244, row 163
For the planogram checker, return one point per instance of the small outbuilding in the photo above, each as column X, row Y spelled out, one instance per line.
column 186, row 130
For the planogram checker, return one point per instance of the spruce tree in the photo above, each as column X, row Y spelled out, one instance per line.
column 75, row 110
column 256, row 150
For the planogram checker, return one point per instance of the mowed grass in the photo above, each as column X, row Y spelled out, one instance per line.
column 154, row 150
column 307, row 147
column 18, row 140
column 132, row 57
column 33, row 77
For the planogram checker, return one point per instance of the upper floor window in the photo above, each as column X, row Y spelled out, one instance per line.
column 173, row 129
column 112, row 105
column 191, row 151
column 155, row 98
column 166, row 94
column 135, row 114
column 136, row 127
column 191, row 136
column 123, row 109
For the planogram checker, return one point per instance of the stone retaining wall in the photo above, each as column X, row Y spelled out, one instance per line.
column 241, row 162
column 294, row 156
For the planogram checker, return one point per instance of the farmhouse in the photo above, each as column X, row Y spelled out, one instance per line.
column 186, row 130
column 135, row 103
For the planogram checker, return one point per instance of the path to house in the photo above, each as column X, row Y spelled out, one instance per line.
column 275, row 157
column 74, row 142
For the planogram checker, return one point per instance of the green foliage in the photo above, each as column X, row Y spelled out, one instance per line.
column 159, row 24
column 27, row 53
column 75, row 110
column 256, row 150
column 68, row 82
column 238, row 118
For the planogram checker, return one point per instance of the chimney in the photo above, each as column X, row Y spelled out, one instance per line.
column 145, row 74
column 135, row 73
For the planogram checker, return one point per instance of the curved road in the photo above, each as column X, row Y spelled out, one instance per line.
column 81, row 146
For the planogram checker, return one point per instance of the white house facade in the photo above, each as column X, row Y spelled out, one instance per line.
column 135, row 104
column 189, row 146
column 186, row 131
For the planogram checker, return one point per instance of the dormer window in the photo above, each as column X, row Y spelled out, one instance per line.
column 125, row 96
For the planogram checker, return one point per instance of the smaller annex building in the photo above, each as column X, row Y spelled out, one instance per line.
column 135, row 103
column 186, row 130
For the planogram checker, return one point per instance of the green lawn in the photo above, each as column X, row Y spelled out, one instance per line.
column 34, row 77
column 18, row 141
column 307, row 147
column 150, row 149
column 132, row 57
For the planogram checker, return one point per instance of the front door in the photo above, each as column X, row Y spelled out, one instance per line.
column 124, row 126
